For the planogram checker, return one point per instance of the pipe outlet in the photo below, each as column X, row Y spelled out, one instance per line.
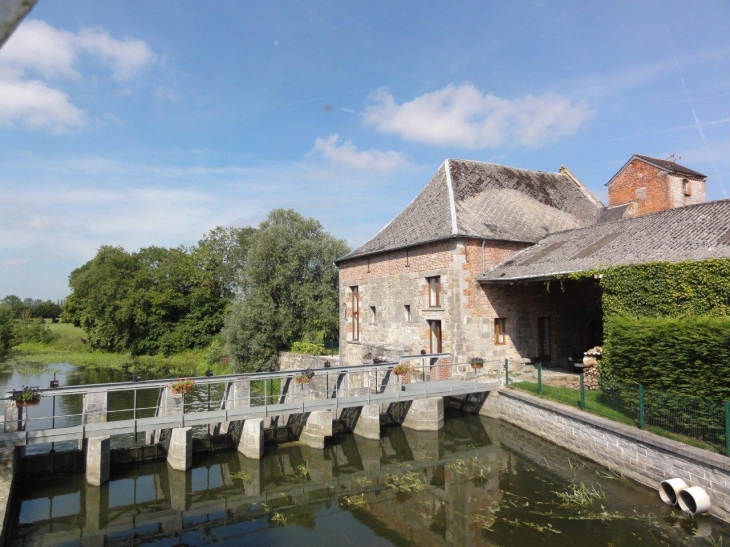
column 694, row 500
column 669, row 490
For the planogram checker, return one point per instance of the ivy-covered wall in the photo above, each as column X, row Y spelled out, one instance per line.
column 664, row 289
column 667, row 326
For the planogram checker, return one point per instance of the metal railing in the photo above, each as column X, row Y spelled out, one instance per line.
column 693, row 420
column 69, row 413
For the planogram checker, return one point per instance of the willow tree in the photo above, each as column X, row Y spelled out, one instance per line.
column 288, row 289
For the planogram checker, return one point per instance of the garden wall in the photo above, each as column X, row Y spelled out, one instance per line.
column 300, row 361
column 637, row 454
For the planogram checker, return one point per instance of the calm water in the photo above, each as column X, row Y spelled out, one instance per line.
column 120, row 404
column 478, row 482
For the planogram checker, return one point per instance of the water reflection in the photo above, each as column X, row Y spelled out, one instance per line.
column 477, row 482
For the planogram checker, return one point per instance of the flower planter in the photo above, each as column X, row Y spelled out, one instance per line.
column 181, row 390
column 22, row 404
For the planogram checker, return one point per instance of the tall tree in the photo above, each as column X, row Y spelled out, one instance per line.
column 6, row 327
column 288, row 289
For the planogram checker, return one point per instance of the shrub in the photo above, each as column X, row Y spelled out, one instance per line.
column 307, row 348
column 32, row 330
column 689, row 355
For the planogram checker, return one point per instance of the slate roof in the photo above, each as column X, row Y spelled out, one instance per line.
column 694, row 232
column 666, row 165
column 487, row 201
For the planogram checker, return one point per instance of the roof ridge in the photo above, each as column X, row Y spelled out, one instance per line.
column 452, row 201
column 506, row 166
column 645, row 215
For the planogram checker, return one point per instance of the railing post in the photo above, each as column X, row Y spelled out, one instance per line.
column 539, row 378
column 506, row 372
column 727, row 428
column 641, row 407
column 582, row 393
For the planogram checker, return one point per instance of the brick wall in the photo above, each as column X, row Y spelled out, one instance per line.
column 640, row 455
column 648, row 189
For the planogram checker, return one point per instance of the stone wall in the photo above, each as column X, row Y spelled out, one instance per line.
column 391, row 281
column 637, row 454
column 300, row 361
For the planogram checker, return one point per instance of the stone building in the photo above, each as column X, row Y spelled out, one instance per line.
column 465, row 268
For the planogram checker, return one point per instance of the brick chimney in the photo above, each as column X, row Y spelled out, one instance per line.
column 648, row 185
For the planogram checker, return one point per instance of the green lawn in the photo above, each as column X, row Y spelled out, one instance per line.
column 571, row 397
column 70, row 347
column 594, row 405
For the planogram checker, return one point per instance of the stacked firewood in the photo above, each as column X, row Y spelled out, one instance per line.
column 591, row 368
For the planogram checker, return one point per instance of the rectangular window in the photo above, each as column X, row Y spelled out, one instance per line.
column 355, row 312
column 434, row 291
column 434, row 328
column 373, row 315
column 407, row 313
column 543, row 326
column 499, row 330
column 686, row 188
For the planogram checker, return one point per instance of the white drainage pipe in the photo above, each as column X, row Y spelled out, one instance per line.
column 669, row 490
column 694, row 500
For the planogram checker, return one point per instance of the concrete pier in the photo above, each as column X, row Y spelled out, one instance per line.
column 13, row 417
column 180, row 451
column 318, row 426
column 425, row 414
column 95, row 407
column 169, row 404
column 251, row 444
column 368, row 423
column 98, row 450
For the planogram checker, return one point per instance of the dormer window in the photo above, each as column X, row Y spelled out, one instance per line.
column 686, row 187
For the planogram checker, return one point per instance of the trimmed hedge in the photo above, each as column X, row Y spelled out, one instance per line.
column 689, row 355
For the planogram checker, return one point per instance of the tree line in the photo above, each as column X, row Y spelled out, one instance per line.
column 259, row 289
column 24, row 320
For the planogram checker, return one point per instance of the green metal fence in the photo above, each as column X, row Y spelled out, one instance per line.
column 693, row 420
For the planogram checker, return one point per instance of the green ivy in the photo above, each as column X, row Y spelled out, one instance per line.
column 666, row 289
column 666, row 326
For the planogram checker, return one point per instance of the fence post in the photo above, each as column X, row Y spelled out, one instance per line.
column 506, row 372
column 539, row 378
column 727, row 428
column 641, row 407
column 582, row 393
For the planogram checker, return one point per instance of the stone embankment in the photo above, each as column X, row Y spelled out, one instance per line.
column 637, row 454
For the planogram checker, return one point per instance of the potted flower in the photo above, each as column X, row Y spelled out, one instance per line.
column 28, row 396
column 305, row 377
column 477, row 362
column 401, row 368
column 182, row 386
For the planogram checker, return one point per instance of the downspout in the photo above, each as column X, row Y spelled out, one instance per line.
column 483, row 242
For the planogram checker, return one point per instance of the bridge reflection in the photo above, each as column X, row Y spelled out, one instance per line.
column 150, row 502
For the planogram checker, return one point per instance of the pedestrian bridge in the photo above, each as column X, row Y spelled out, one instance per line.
column 126, row 411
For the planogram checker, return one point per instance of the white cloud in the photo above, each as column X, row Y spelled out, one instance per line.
column 125, row 57
column 37, row 106
column 347, row 154
column 38, row 53
column 464, row 116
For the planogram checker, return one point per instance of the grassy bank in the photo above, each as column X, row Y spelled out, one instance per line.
column 594, row 405
column 70, row 346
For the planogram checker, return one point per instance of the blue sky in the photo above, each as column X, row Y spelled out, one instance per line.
column 150, row 123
